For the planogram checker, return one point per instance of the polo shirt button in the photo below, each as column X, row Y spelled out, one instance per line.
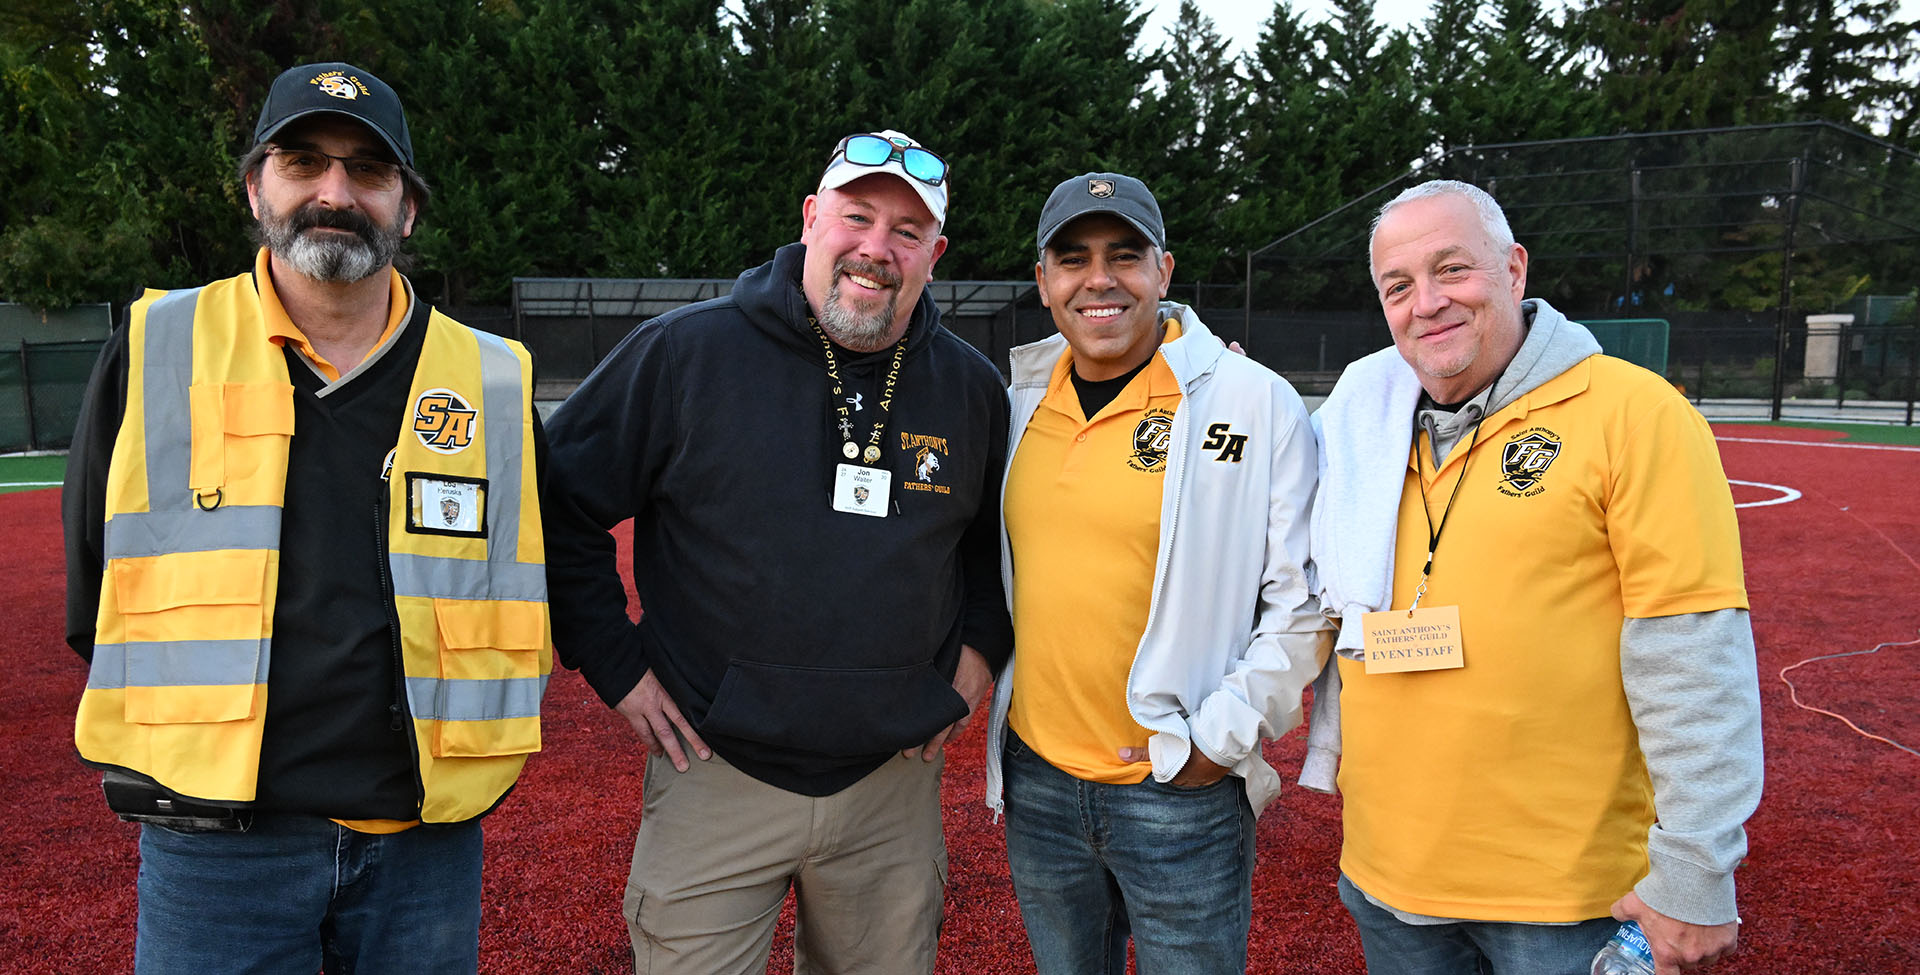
column 1081, row 438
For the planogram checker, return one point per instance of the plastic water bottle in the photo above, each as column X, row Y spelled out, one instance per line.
column 1626, row 953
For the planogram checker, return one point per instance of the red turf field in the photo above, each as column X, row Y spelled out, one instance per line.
column 1832, row 884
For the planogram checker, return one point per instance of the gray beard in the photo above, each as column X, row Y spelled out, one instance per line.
column 329, row 257
column 852, row 330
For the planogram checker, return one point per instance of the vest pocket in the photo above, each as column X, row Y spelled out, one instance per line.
column 493, row 658
column 239, row 430
column 195, row 635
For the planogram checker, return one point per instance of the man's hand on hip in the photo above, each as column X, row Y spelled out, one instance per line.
column 654, row 717
column 1677, row 945
column 971, row 678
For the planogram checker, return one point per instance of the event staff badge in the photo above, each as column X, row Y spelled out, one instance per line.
column 1399, row 640
column 861, row 490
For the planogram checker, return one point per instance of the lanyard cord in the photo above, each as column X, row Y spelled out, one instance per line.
column 1433, row 533
column 847, row 445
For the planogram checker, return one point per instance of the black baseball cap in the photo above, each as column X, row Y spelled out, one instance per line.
column 1123, row 196
column 341, row 89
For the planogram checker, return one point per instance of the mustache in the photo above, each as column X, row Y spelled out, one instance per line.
column 311, row 216
column 872, row 272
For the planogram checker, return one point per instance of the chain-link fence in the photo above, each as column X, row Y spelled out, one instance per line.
column 1733, row 236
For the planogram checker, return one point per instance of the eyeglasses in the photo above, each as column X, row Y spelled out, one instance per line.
column 878, row 150
column 305, row 164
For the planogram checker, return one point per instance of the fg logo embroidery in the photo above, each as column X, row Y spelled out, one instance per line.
column 443, row 421
column 1524, row 461
column 1152, row 438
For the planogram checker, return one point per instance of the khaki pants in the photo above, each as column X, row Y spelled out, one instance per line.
column 717, row 851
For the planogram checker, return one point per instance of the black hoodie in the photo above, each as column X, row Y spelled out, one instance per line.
column 804, row 644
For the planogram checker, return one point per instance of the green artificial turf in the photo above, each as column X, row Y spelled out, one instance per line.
column 1862, row 432
column 20, row 473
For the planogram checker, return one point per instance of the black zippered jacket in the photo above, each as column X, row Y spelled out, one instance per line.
column 805, row 644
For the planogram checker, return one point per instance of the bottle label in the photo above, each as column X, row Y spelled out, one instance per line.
column 1634, row 941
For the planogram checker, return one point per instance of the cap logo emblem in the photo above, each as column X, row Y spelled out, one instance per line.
column 338, row 85
column 1100, row 188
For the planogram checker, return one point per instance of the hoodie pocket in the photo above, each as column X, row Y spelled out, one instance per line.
column 842, row 712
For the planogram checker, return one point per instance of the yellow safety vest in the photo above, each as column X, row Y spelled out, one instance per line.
column 178, row 686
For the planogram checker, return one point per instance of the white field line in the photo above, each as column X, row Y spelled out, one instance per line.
column 1818, row 443
column 1786, row 494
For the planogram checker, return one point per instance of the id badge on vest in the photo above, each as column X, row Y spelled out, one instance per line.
column 446, row 504
column 1399, row 640
column 861, row 490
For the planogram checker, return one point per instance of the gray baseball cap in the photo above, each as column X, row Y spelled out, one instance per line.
column 1123, row 196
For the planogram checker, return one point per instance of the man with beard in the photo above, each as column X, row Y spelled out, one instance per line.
column 811, row 466
column 305, row 561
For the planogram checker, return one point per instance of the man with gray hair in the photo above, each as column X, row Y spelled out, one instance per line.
column 1544, row 707
column 811, row 465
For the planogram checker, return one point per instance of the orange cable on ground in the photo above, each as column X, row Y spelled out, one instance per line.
column 1794, row 692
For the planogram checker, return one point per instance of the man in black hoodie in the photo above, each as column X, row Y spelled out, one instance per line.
column 812, row 466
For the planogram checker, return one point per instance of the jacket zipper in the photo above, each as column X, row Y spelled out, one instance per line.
column 396, row 708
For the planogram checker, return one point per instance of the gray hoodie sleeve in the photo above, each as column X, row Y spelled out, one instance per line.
column 1694, row 693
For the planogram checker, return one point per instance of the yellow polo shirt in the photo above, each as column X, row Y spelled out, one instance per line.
column 1083, row 524
column 281, row 330
column 1513, row 788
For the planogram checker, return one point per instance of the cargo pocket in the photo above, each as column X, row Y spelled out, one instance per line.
column 195, row 632
column 487, row 700
column 239, row 430
column 839, row 712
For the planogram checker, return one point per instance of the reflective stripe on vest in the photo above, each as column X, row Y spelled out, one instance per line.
column 174, row 521
column 194, row 562
column 472, row 610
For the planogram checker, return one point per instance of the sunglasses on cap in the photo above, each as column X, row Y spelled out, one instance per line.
column 878, row 150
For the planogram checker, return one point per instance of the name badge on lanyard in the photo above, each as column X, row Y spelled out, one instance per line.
column 1399, row 640
column 861, row 490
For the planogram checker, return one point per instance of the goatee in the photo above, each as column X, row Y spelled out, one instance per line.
column 343, row 258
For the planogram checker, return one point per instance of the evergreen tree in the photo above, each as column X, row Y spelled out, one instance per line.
column 1850, row 60
column 1198, row 114
column 1682, row 64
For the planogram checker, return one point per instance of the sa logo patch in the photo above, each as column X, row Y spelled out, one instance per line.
column 1232, row 446
column 443, row 421
column 1152, row 438
column 1524, row 461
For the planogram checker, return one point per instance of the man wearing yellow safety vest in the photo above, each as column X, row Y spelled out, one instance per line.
column 305, row 560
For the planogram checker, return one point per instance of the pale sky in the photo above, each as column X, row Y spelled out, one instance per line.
column 1239, row 21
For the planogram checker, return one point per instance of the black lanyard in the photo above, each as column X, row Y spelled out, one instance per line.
column 848, row 447
column 1433, row 533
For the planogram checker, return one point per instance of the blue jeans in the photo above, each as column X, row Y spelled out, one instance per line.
column 303, row 894
column 1094, row 864
column 1394, row 947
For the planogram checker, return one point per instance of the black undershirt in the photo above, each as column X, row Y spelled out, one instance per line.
column 1095, row 394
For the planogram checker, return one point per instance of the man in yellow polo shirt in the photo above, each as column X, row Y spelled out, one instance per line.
column 1155, row 505
column 1545, row 704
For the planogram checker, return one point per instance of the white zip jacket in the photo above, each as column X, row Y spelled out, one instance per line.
column 1234, row 633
